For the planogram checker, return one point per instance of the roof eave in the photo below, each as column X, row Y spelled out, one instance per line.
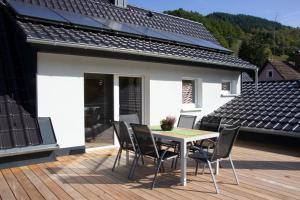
column 135, row 52
column 270, row 131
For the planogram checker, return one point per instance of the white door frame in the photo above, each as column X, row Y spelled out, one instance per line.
column 117, row 105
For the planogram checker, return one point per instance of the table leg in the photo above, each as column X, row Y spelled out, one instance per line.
column 127, row 157
column 218, row 167
column 183, row 152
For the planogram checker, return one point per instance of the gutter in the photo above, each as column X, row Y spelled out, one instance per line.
column 256, row 78
column 129, row 51
column 271, row 132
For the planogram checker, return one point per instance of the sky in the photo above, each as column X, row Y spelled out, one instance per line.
column 286, row 12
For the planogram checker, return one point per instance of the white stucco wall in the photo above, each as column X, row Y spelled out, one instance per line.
column 60, row 89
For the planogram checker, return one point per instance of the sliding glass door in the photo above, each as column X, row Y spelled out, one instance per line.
column 130, row 96
column 99, row 109
column 99, row 104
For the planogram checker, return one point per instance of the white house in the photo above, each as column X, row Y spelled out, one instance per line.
column 97, row 60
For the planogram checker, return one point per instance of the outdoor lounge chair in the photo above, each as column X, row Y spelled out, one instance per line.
column 147, row 147
column 222, row 150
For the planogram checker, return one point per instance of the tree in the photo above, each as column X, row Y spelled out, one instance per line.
column 256, row 49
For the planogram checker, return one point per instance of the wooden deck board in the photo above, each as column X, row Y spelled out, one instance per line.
column 263, row 175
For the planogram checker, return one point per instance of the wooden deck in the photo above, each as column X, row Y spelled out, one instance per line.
column 263, row 175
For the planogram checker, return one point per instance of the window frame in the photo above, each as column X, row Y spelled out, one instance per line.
column 230, row 87
column 268, row 73
column 197, row 95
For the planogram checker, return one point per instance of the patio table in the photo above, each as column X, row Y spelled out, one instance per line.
column 183, row 136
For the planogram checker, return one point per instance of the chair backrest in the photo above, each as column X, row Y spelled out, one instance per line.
column 225, row 142
column 145, row 140
column 130, row 119
column 210, row 123
column 186, row 121
column 123, row 134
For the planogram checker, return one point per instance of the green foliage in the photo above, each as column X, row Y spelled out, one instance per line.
column 246, row 22
column 252, row 38
column 255, row 49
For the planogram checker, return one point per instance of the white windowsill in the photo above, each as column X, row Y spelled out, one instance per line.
column 191, row 109
column 229, row 95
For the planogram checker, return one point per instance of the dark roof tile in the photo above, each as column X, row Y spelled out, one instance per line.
column 269, row 108
column 132, row 15
column 41, row 31
column 287, row 127
column 278, row 126
column 246, row 77
column 37, row 31
column 296, row 128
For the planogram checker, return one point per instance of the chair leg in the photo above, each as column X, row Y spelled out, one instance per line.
column 173, row 161
column 197, row 166
column 120, row 158
column 157, row 170
column 213, row 177
column 133, row 165
column 176, row 160
column 203, row 170
column 234, row 172
column 142, row 158
column 117, row 158
column 163, row 167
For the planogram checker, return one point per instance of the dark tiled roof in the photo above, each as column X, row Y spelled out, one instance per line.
column 246, row 77
column 287, row 72
column 39, row 32
column 273, row 108
column 18, row 126
column 133, row 15
column 46, row 32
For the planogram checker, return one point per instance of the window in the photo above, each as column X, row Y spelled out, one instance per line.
column 226, row 86
column 229, row 87
column 270, row 74
column 191, row 94
column 188, row 92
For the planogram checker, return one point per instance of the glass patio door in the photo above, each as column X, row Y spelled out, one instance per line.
column 130, row 96
column 99, row 110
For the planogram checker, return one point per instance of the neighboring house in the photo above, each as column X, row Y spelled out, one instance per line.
column 277, row 70
column 273, row 109
column 83, row 63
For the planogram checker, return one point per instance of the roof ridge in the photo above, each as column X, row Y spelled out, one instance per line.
column 161, row 13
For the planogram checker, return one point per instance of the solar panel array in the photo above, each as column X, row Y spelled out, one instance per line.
column 55, row 15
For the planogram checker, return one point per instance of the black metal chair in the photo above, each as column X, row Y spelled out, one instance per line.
column 125, row 138
column 208, row 123
column 130, row 118
column 186, row 121
column 147, row 147
column 222, row 150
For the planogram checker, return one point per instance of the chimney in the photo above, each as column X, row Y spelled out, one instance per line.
column 120, row 3
column 297, row 60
